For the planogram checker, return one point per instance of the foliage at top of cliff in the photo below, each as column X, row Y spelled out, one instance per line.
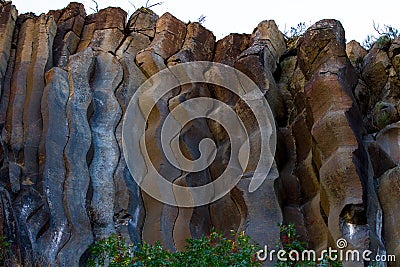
column 386, row 35
column 294, row 33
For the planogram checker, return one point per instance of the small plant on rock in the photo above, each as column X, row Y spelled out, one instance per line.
column 386, row 35
column 292, row 35
column 201, row 19
column 217, row 250
column 290, row 241
column 95, row 9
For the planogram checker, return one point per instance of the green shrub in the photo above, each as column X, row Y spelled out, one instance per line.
column 290, row 241
column 211, row 250
column 4, row 250
column 385, row 37
column 292, row 35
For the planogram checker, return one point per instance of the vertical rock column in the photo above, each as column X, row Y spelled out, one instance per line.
column 80, row 68
column 198, row 46
column 388, row 173
column 259, row 62
column 302, row 195
column 107, row 113
column 8, row 37
column 8, row 17
column 337, row 128
column 55, row 132
column 169, row 38
column 389, row 188
column 45, row 30
column 226, row 212
column 129, row 209
column 14, row 125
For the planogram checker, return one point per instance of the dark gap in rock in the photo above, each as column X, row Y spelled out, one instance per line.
column 43, row 229
column 354, row 214
column 323, row 214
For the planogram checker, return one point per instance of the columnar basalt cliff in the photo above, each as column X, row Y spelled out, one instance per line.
column 66, row 81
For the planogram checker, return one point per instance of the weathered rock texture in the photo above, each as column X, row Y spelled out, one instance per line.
column 66, row 80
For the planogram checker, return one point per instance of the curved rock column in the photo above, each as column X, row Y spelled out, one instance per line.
column 258, row 62
column 387, row 171
column 107, row 113
column 198, row 46
column 129, row 209
column 168, row 39
column 55, row 132
column 227, row 212
column 8, row 39
column 80, row 68
column 301, row 201
column 337, row 130
column 389, row 196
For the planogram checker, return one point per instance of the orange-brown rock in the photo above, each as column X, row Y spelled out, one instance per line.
column 108, row 31
column 336, row 128
column 355, row 52
column 168, row 39
column 198, row 46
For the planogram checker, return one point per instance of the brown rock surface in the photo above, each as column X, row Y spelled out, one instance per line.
column 355, row 52
column 228, row 212
column 8, row 17
column 18, row 87
column 330, row 80
column 198, row 46
column 70, row 23
column 168, row 39
column 389, row 197
column 108, row 31
column 129, row 211
column 389, row 141
column 306, row 208
column 66, row 82
column 41, row 62
column 260, row 61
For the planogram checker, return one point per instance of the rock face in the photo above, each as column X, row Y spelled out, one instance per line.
column 80, row 68
column 330, row 79
column 67, row 79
